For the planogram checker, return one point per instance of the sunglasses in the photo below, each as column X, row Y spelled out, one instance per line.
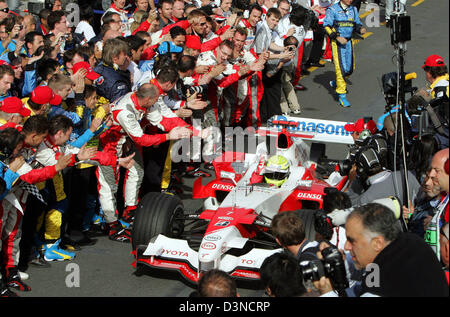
column 6, row 10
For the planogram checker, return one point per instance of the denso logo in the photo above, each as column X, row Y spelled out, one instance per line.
column 175, row 253
column 208, row 246
column 222, row 187
column 212, row 238
column 309, row 196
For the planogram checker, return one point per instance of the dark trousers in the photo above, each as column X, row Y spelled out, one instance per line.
column 316, row 49
column 271, row 99
column 83, row 183
column 154, row 159
column 34, row 209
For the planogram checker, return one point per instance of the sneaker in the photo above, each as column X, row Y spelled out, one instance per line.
column 13, row 280
column 300, row 87
column 118, row 233
column 125, row 224
column 52, row 252
column 343, row 100
column 40, row 262
column 68, row 244
column 5, row 291
column 97, row 220
column 37, row 259
column 333, row 84
column 24, row 276
column 297, row 111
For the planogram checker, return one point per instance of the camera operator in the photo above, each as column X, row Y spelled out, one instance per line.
column 396, row 264
column 362, row 129
column 380, row 181
column 325, row 230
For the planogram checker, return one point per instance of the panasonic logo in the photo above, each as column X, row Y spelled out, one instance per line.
column 320, row 128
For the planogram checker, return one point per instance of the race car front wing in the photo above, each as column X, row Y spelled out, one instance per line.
column 176, row 255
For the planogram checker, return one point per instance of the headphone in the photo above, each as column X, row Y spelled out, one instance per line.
column 379, row 143
column 366, row 158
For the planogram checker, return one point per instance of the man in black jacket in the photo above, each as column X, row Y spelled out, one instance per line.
column 397, row 264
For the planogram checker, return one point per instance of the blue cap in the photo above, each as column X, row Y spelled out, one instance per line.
column 169, row 47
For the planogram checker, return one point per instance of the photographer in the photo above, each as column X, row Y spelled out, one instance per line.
column 397, row 264
column 380, row 182
column 289, row 232
column 281, row 276
column 361, row 130
column 325, row 230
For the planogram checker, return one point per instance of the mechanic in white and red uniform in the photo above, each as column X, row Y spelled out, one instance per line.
column 127, row 113
column 254, row 18
column 246, row 94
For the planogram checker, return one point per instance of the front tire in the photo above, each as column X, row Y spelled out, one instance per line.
column 157, row 213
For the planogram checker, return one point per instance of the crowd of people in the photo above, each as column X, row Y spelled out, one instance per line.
column 102, row 107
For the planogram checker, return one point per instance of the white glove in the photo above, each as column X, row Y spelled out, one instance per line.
column 339, row 216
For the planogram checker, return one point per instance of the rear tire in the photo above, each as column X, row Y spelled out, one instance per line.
column 157, row 213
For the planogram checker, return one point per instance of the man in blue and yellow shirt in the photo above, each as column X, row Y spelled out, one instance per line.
column 341, row 21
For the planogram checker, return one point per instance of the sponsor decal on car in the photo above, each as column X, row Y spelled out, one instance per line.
column 212, row 238
column 226, row 218
column 208, row 246
column 175, row 253
column 223, row 187
column 309, row 196
column 222, row 223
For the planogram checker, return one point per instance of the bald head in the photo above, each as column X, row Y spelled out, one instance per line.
column 437, row 172
column 147, row 95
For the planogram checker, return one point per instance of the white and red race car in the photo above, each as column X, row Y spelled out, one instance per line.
column 232, row 232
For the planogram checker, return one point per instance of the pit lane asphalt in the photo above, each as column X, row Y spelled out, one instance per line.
column 105, row 268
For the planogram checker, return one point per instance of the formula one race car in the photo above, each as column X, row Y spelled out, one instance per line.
column 232, row 231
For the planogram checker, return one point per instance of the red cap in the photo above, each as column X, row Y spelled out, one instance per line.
column 193, row 42
column 434, row 61
column 14, row 105
column 44, row 94
column 90, row 73
column 220, row 18
column 359, row 126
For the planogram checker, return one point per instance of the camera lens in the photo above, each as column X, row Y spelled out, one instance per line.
column 312, row 270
